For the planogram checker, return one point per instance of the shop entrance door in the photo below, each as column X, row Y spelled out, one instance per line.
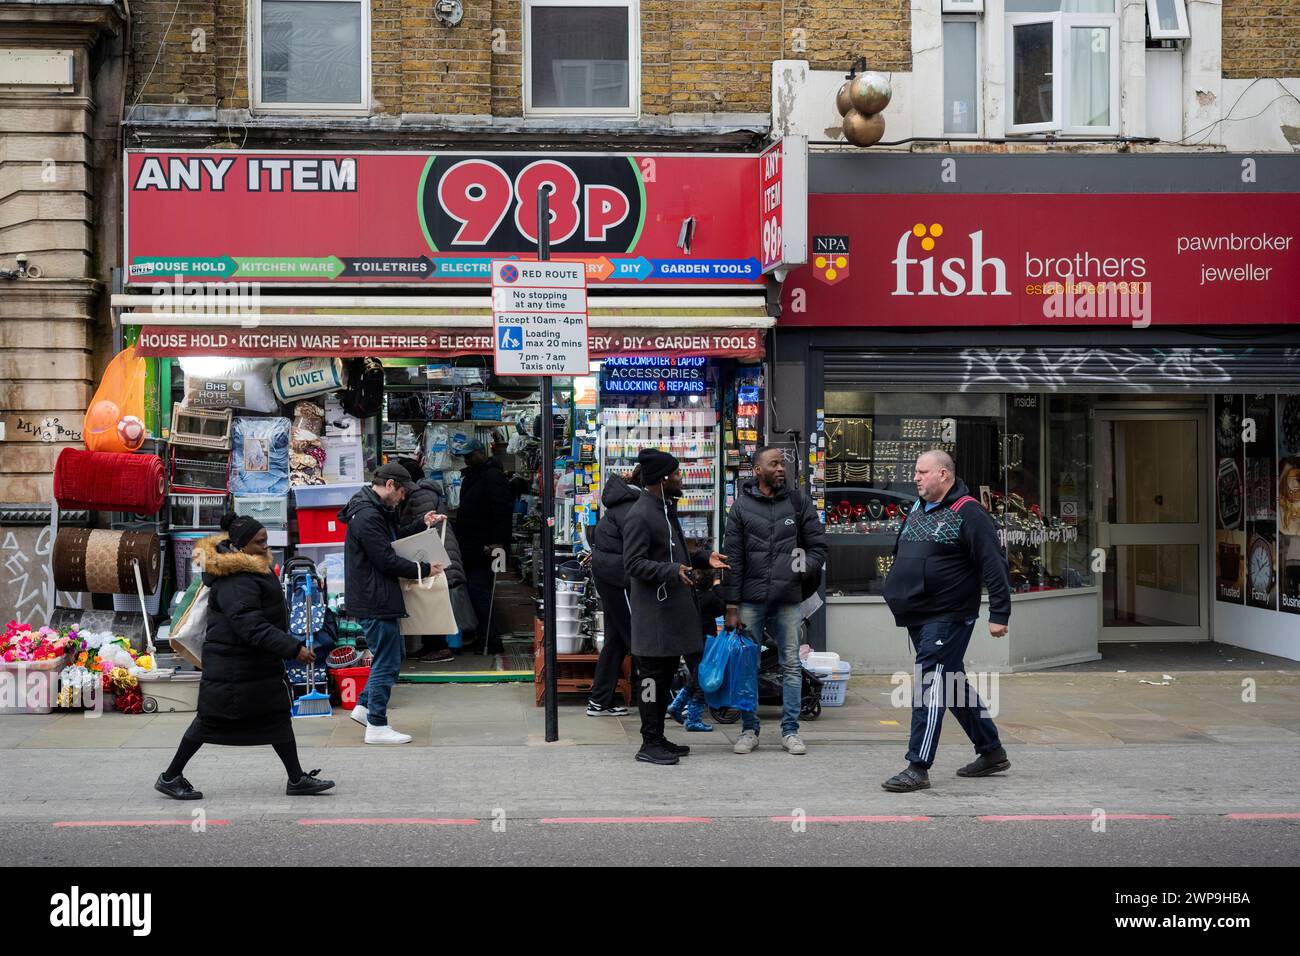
column 1151, row 522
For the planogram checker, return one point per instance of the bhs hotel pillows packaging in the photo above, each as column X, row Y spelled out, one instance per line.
column 304, row 378
column 219, row 383
column 259, row 459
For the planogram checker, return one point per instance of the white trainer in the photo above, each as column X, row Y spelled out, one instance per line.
column 359, row 714
column 746, row 743
column 385, row 735
column 793, row 744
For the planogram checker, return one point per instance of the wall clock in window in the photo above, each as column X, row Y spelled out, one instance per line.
column 1260, row 568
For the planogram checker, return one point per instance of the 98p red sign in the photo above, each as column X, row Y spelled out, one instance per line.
column 783, row 203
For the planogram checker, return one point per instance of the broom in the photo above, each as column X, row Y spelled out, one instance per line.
column 313, row 703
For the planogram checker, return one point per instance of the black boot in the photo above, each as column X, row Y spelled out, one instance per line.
column 913, row 778
column 178, row 788
column 993, row 762
column 655, row 752
column 307, row 785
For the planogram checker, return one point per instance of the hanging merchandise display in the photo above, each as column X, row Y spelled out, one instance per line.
column 115, row 419
column 260, row 456
column 109, row 481
column 307, row 378
column 104, row 562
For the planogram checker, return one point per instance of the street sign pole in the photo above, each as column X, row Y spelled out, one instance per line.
column 548, row 499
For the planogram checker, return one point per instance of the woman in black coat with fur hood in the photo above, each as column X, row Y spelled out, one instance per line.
column 245, row 697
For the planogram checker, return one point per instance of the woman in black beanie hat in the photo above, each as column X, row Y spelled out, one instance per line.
column 244, row 697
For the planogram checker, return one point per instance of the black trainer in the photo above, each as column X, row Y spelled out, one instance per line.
column 178, row 788
column 985, row 764
column 913, row 778
column 613, row 710
column 681, row 750
column 656, row 753
column 307, row 785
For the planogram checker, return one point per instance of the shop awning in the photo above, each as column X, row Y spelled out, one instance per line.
column 730, row 326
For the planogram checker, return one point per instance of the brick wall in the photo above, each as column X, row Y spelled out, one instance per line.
column 696, row 55
column 1261, row 38
column 834, row 33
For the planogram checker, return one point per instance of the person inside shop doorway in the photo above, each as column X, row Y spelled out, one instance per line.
column 244, row 696
column 776, row 547
column 665, row 615
column 948, row 545
column 610, row 576
column 428, row 495
column 483, row 528
column 373, row 595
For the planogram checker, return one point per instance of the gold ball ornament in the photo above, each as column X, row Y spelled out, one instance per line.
column 863, row 130
column 842, row 101
column 870, row 92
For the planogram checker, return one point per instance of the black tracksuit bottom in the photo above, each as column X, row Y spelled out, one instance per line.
column 654, row 692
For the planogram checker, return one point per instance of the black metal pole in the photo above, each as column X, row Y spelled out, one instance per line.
column 548, row 499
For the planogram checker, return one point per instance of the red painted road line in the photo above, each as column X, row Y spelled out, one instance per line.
column 1262, row 816
column 876, row 819
column 386, row 821
column 1074, row 816
column 630, row 820
column 138, row 823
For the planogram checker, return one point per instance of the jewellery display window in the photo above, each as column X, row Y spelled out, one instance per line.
column 1026, row 458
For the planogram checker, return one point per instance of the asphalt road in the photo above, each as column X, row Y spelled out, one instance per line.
column 952, row 841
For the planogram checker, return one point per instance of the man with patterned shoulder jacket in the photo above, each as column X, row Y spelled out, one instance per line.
column 947, row 547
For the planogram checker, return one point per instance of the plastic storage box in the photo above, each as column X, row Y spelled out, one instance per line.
column 271, row 511
column 196, row 510
column 326, row 496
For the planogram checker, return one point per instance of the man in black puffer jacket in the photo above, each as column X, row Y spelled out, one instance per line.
column 776, row 548
column 611, row 583
column 372, row 568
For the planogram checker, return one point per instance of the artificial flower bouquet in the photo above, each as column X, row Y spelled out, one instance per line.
column 94, row 662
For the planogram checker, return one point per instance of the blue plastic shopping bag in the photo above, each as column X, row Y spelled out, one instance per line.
column 739, row 686
column 713, row 665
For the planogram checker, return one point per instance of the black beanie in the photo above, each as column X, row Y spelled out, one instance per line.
column 241, row 528
column 655, row 465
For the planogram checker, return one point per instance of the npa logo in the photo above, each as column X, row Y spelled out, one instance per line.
column 831, row 258
column 961, row 275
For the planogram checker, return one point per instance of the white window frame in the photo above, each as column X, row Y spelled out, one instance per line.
column 633, row 109
column 1181, row 32
column 1014, row 20
column 1089, row 21
column 1062, row 24
column 255, row 68
column 979, row 77
column 962, row 6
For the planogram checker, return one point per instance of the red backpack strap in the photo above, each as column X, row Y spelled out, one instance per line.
column 961, row 502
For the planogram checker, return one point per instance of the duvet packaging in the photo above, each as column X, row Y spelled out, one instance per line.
column 259, row 460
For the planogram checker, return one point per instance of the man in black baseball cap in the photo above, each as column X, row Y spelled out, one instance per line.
column 372, row 568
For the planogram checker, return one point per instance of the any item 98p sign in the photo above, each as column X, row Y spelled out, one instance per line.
column 331, row 218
